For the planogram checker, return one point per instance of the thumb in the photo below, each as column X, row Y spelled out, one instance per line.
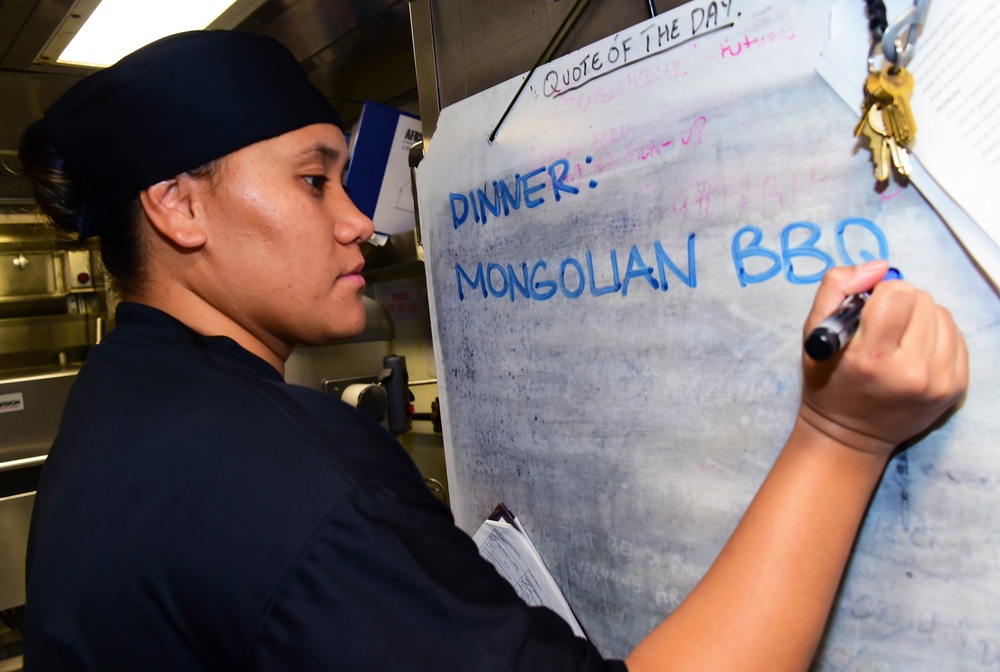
column 839, row 283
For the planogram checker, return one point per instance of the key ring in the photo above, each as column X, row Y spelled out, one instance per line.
column 872, row 51
column 897, row 49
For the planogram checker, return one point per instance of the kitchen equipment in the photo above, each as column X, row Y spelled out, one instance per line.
column 52, row 310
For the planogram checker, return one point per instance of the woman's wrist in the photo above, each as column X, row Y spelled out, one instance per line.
column 819, row 428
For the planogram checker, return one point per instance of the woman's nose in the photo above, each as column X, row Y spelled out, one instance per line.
column 352, row 225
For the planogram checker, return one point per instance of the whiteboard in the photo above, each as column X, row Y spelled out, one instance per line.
column 618, row 284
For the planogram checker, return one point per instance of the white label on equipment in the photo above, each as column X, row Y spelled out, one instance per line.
column 11, row 402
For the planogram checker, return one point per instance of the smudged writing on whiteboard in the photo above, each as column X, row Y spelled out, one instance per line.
column 748, row 195
column 731, row 49
column 751, row 194
column 635, row 80
column 625, row 144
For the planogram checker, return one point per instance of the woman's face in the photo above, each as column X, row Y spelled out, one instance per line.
column 284, row 240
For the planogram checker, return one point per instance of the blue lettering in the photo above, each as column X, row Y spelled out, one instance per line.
column 691, row 279
column 594, row 289
column 754, row 250
column 493, row 266
column 528, row 191
column 478, row 282
column 637, row 268
column 562, row 278
column 883, row 244
column 472, row 202
column 557, row 182
column 805, row 249
column 514, row 284
column 510, row 200
column 485, row 203
column 513, row 279
column 508, row 197
column 549, row 286
column 457, row 219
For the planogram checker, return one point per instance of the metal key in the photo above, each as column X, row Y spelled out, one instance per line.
column 900, row 156
column 874, row 95
column 872, row 126
column 897, row 85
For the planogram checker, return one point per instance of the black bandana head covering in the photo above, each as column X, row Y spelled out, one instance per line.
column 175, row 105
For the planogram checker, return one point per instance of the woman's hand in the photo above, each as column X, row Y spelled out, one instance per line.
column 905, row 367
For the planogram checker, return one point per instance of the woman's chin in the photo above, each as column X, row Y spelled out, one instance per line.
column 349, row 326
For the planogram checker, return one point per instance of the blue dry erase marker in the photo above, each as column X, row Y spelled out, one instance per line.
column 832, row 334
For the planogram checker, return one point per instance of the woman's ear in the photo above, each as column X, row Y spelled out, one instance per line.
column 168, row 205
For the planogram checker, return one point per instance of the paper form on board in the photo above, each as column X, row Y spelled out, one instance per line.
column 506, row 546
column 956, row 104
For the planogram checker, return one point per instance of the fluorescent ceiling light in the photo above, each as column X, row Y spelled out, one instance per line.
column 119, row 27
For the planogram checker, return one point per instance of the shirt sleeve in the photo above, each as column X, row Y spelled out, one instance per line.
column 388, row 582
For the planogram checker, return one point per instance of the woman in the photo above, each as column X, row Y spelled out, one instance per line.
column 197, row 513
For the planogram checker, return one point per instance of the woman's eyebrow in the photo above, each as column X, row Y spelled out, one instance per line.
column 326, row 153
column 329, row 156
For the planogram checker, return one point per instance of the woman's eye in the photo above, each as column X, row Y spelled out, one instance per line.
column 317, row 182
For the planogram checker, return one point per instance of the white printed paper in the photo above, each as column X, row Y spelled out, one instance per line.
column 515, row 557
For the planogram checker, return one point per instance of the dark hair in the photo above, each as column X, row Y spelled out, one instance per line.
column 62, row 199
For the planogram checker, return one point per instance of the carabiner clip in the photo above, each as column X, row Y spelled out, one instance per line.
column 897, row 49
column 872, row 51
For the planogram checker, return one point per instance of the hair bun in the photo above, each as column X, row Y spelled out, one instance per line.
column 58, row 193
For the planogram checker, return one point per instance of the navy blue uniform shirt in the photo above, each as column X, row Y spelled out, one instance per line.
column 198, row 513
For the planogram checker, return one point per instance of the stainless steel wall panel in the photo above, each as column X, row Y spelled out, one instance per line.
column 28, row 274
column 46, row 334
column 30, row 411
column 15, row 517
